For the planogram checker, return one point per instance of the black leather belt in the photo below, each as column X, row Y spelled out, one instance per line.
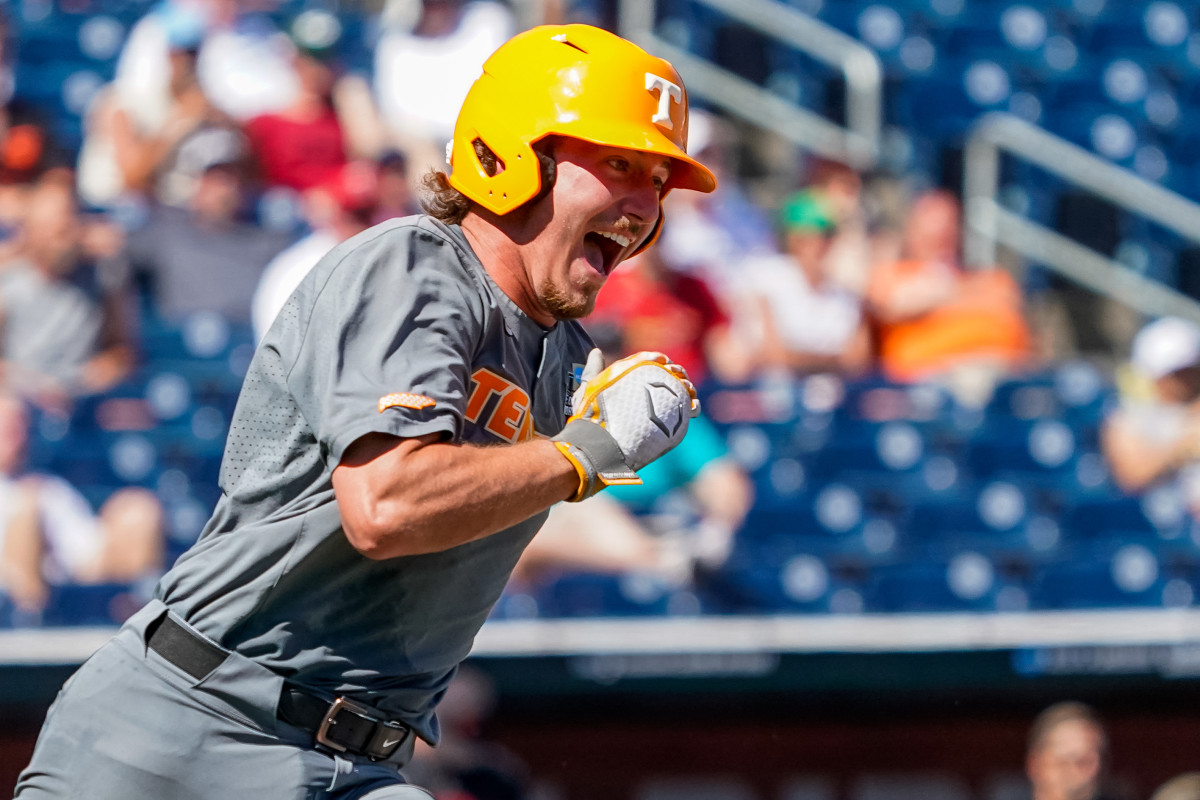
column 342, row 726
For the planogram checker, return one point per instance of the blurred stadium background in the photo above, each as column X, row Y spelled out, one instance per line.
column 917, row 578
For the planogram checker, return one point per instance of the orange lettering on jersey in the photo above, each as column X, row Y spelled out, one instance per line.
column 509, row 412
column 486, row 382
column 405, row 400
column 509, row 418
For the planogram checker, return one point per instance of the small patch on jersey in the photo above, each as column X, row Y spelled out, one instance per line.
column 574, row 381
column 405, row 400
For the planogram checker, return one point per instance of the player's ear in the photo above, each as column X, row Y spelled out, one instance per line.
column 549, row 173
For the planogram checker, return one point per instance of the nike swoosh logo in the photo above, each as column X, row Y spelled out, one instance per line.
column 390, row 742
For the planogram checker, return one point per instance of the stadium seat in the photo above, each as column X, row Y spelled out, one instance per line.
column 966, row 582
column 1127, row 576
column 582, row 594
column 1159, row 514
column 801, row 583
column 106, row 604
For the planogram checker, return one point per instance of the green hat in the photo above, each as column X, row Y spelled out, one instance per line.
column 808, row 212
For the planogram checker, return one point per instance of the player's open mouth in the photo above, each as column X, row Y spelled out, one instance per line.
column 610, row 246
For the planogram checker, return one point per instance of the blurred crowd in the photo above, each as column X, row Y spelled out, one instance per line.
column 232, row 150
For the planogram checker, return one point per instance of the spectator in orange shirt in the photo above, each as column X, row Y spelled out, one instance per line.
column 937, row 322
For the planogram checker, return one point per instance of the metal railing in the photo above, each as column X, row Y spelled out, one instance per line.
column 856, row 143
column 989, row 225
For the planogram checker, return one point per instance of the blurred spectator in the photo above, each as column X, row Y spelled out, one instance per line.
column 655, row 307
column 396, row 197
column 303, row 144
column 850, row 256
column 1067, row 753
column 708, row 235
column 1181, row 787
column 340, row 207
column 466, row 765
column 245, row 62
column 26, row 154
column 1154, row 436
column 800, row 320
column 49, row 534
column 203, row 258
column 136, row 149
column 423, row 69
column 937, row 322
column 66, row 324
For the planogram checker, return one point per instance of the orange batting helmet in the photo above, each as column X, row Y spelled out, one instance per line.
column 569, row 80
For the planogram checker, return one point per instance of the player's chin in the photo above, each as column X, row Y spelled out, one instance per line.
column 575, row 304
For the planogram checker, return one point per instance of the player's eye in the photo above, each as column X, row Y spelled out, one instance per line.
column 619, row 164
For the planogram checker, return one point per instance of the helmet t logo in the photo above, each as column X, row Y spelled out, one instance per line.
column 667, row 92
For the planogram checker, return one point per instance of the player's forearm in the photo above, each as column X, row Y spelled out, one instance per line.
column 417, row 497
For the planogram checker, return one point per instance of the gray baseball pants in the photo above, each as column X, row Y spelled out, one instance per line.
column 129, row 725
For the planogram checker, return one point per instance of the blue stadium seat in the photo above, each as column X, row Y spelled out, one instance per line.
column 582, row 594
column 1037, row 447
column 1157, row 515
column 1151, row 32
column 800, row 584
column 103, row 604
column 1128, row 576
column 967, row 582
column 946, row 105
column 999, row 520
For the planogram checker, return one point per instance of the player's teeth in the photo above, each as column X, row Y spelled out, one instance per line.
column 616, row 237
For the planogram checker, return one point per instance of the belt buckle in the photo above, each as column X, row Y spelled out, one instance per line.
column 339, row 705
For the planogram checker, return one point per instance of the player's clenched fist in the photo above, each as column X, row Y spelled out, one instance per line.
column 624, row 417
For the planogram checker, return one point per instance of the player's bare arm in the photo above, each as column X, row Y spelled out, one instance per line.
column 403, row 497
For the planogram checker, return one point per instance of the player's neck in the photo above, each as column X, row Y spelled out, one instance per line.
column 504, row 261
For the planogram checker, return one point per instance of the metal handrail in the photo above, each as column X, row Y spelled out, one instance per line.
column 990, row 225
column 857, row 143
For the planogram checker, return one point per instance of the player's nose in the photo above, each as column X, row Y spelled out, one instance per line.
column 642, row 202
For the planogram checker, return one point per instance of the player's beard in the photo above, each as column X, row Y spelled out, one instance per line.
column 561, row 306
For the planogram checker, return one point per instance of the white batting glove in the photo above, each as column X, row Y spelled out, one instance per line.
column 624, row 417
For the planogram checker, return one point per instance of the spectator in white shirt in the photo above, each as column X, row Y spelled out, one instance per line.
column 797, row 317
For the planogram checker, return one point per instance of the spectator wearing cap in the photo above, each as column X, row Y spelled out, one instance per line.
column 336, row 209
column 937, row 322
column 1153, row 436
column 64, row 320
column 138, row 125
column 203, row 257
column 796, row 317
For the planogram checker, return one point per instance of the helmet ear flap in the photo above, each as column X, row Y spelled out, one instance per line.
column 548, row 168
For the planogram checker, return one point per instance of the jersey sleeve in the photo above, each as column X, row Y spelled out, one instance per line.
column 388, row 347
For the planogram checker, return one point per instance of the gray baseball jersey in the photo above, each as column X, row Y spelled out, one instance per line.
column 399, row 331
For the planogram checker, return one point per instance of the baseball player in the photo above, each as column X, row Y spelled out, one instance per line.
column 420, row 402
